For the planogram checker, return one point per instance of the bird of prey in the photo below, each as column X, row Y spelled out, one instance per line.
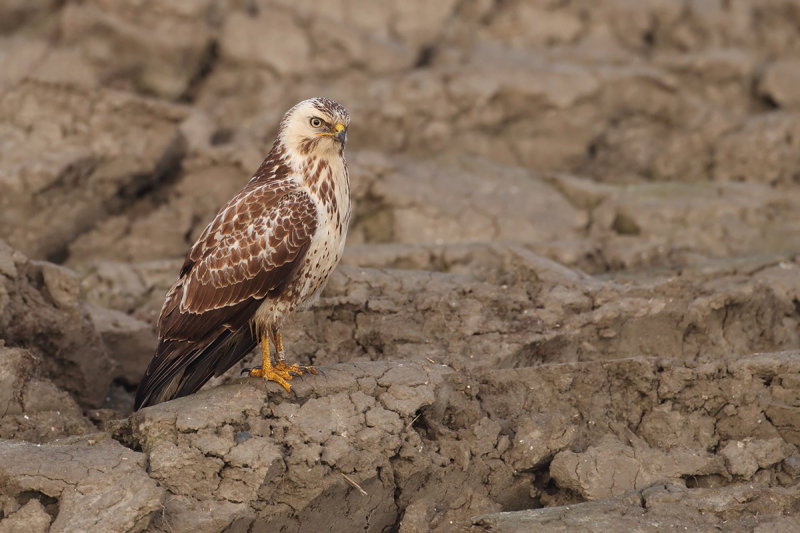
column 269, row 251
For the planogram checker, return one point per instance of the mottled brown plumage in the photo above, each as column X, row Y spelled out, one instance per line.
column 269, row 250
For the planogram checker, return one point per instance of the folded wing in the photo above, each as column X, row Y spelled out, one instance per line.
column 251, row 251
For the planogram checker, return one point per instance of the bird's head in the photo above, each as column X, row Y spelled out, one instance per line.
column 317, row 126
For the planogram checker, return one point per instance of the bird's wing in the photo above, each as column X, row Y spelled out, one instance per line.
column 250, row 251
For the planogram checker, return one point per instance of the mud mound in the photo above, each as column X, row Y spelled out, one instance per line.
column 570, row 298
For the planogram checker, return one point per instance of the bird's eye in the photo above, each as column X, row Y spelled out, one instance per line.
column 316, row 123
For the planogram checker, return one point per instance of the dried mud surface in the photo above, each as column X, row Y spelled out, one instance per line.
column 570, row 299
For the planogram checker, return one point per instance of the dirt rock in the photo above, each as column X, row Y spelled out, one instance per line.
column 381, row 40
column 744, row 458
column 515, row 308
column 253, row 454
column 89, row 483
column 17, row 13
column 634, row 466
column 134, row 288
column 129, row 342
column 438, row 204
column 97, row 151
column 31, row 516
column 543, row 312
column 151, row 48
column 763, row 149
column 40, row 310
column 658, row 508
column 409, row 429
column 536, row 439
column 33, row 408
column 178, row 219
column 644, row 224
column 779, row 83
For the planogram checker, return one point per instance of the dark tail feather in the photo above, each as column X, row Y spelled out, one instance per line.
column 182, row 367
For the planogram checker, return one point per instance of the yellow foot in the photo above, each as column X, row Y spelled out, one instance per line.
column 281, row 373
column 269, row 374
column 297, row 368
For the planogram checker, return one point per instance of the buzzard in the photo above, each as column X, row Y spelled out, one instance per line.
column 269, row 251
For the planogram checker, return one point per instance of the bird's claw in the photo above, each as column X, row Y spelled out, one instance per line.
column 269, row 374
column 281, row 373
column 295, row 369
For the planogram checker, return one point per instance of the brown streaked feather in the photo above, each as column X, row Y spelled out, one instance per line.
column 211, row 290
column 193, row 364
column 286, row 229
column 308, row 145
column 215, row 297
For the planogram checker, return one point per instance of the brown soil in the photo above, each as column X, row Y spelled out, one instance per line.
column 570, row 299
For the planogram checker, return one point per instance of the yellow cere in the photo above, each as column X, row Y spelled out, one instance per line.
column 336, row 129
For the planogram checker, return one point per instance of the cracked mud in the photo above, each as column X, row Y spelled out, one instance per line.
column 570, row 298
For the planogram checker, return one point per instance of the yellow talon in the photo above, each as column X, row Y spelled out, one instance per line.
column 297, row 368
column 269, row 374
column 282, row 372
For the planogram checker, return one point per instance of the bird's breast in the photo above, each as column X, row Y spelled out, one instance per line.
column 331, row 196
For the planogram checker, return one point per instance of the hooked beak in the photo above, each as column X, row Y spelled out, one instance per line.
column 340, row 134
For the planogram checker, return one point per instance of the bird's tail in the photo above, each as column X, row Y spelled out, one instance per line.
column 182, row 367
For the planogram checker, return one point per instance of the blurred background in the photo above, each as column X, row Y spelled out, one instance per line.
column 605, row 134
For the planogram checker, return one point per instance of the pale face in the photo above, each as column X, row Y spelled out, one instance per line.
column 317, row 126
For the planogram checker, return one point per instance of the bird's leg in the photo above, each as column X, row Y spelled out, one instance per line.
column 275, row 337
column 280, row 357
column 267, row 371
